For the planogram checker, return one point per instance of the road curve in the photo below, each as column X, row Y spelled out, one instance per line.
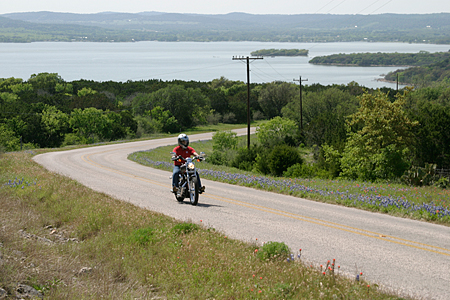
column 406, row 256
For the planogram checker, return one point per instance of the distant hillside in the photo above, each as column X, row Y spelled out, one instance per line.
column 16, row 31
column 430, row 28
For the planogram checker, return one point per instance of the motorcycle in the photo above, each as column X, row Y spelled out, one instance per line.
column 188, row 186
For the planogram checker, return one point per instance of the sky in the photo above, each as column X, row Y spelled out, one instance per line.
column 365, row 7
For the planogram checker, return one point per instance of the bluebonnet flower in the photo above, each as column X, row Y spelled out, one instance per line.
column 368, row 195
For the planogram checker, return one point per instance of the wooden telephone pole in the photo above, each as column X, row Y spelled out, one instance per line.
column 301, row 104
column 248, row 92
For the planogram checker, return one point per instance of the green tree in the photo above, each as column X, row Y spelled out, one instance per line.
column 324, row 114
column 55, row 125
column 45, row 82
column 90, row 124
column 186, row 105
column 86, row 91
column 276, row 131
column 379, row 150
column 432, row 134
column 163, row 120
column 9, row 141
column 281, row 157
column 223, row 140
column 274, row 96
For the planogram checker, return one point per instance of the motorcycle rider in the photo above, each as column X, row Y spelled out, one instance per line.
column 185, row 151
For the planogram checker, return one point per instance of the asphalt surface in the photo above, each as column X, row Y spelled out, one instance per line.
column 409, row 257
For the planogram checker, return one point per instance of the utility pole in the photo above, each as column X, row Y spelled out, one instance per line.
column 248, row 92
column 301, row 104
column 397, row 82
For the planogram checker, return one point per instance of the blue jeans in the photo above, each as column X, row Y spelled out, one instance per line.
column 176, row 174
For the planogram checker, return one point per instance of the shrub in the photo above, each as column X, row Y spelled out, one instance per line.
column 281, row 158
column 443, row 183
column 229, row 118
column 417, row 176
column 72, row 139
column 217, row 158
column 276, row 131
column 331, row 160
column 214, row 118
column 261, row 164
column 245, row 158
column 258, row 115
column 273, row 251
column 300, row 171
column 8, row 140
column 223, row 140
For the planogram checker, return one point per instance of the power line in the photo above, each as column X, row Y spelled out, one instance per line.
column 301, row 105
column 247, row 59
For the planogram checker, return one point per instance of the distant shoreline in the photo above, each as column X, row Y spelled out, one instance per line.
column 356, row 65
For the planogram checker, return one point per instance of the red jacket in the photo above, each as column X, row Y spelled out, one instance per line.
column 185, row 153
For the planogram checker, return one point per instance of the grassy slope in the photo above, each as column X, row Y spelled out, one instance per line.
column 134, row 253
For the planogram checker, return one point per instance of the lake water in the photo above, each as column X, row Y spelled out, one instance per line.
column 193, row 61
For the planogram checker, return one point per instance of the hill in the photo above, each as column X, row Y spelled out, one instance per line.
column 107, row 26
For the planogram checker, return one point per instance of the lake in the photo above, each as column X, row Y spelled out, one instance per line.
column 198, row 61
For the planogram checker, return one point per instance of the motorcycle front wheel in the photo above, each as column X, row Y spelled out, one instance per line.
column 193, row 190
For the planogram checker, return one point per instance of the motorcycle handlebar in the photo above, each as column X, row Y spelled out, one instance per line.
column 174, row 158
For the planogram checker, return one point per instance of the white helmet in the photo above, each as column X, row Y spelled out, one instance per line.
column 183, row 141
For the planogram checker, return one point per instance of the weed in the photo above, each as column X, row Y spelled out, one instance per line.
column 273, row 250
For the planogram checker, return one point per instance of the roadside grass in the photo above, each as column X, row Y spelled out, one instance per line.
column 70, row 242
column 430, row 204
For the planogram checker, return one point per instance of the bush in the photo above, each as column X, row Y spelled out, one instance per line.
column 261, row 164
column 8, row 140
column 229, row 118
column 276, row 131
column 214, row 118
column 72, row 139
column 245, row 158
column 443, row 183
column 300, row 171
column 223, row 140
column 418, row 176
column 273, row 251
column 217, row 158
column 281, row 158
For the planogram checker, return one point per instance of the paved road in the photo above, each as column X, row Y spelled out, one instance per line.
column 410, row 257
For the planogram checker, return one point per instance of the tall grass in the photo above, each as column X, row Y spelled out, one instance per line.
column 73, row 243
column 431, row 204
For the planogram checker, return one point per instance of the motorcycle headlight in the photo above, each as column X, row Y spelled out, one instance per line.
column 191, row 166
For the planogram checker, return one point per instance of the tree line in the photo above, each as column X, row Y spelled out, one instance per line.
column 421, row 58
column 351, row 130
column 422, row 76
column 424, row 68
column 280, row 52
